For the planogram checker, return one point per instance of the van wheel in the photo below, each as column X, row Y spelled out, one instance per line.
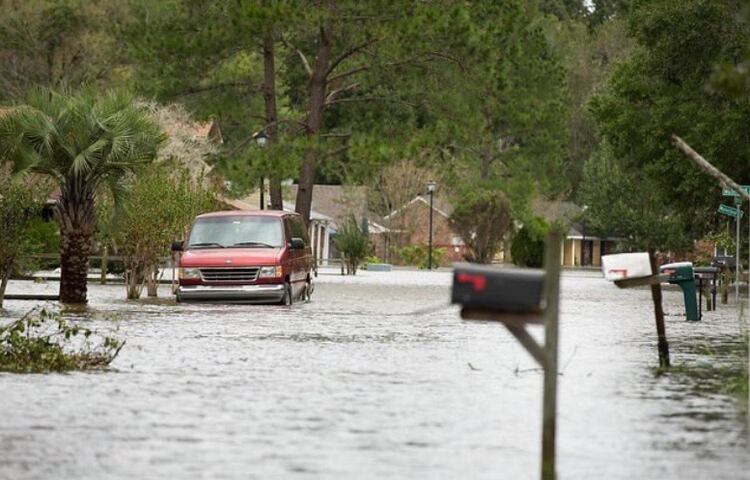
column 287, row 298
column 307, row 292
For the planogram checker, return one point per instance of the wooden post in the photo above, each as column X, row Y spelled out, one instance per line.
column 552, row 295
column 103, row 265
column 661, row 331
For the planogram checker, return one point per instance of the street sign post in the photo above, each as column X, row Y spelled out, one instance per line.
column 728, row 192
column 730, row 211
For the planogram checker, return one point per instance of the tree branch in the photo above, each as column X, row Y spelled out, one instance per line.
column 332, row 153
column 333, row 93
column 348, row 53
column 348, row 73
column 452, row 58
column 369, row 99
column 302, row 57
column 708, row 168
column 216, row 86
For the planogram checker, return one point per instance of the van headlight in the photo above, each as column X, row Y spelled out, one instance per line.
column 189, row 273
column 271, row 272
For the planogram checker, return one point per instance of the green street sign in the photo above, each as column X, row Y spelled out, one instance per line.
column 728, row 192
column 729, row 211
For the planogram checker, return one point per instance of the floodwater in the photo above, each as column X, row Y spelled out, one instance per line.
column 364, row 382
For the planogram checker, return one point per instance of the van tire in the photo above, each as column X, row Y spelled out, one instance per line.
column 307, row 292
column 287, row 298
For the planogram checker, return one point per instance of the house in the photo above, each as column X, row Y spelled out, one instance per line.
column 581, row 248
column 410, row 225
column 332, row 206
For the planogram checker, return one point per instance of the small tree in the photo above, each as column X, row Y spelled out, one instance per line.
column 85, row 142
column 162, row 206
column 19, row 205
column 352, row 242
column 527, row 248
column 482, row 217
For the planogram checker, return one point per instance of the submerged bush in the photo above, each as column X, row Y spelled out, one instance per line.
column 43, row 341
column 419, row 256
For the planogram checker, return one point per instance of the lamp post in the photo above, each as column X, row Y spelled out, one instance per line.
column 261, row 139
column 430, row 188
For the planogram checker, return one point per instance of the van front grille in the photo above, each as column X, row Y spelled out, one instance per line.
column 246, row 274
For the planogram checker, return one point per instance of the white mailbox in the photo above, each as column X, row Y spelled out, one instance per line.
column 623, row 266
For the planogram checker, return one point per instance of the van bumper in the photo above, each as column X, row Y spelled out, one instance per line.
column 231, row 293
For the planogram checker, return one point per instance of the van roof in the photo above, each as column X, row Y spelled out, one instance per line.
column 248, row 213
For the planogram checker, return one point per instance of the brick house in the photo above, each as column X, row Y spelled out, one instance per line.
column 409, row 225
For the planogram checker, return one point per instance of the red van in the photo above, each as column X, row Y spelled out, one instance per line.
column 259, row 256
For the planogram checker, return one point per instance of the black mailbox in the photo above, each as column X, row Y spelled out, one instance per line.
column 502, row 290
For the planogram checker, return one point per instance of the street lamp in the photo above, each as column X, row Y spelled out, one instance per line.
column 261, row 140
column 430, row 188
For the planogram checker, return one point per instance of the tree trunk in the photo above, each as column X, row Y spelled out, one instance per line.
column 4, row 276
column 152, row 283
column 77, row 217
column 103, row 265
column 317, row 87
column 134, row 279
column 75, row 250
column 269, row 96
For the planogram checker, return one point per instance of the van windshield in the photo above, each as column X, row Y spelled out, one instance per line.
column 236, row 231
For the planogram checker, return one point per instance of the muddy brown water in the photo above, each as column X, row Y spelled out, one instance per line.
column 362, row 383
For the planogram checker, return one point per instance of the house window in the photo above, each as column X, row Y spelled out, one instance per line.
column 457, row 241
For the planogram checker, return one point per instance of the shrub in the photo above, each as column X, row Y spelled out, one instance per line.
column 527, row 248
column 19, row 205
column 41, row 341
column 418, row 255
column 482, row 217
column 353, row 244
column 162, row 206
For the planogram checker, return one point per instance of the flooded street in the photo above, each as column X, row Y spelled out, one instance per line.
column 363, row 382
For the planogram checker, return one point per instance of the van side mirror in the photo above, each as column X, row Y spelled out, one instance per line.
column 177, row 246
column 297, row 243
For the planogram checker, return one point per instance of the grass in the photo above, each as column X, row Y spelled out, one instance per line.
column 722, row 369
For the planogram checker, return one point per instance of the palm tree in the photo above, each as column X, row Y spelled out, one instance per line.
column 86, row 142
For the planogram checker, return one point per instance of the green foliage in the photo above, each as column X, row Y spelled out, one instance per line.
column 626, row 205
column 43, row 341
column 164, row 201
column 19, row 206
column 665, row 88
column 419, row 255
column 527, row 248
column 352, row 243
column 59, row 43
column 482, row 217
column 43, row 237
column 85, row 142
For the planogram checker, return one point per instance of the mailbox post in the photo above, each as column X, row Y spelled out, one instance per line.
column 628, row 270
column 516, row 298
column 682, row 274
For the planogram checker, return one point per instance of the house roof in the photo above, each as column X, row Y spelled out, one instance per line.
column 554, row 211
column 334, row 201
column 439, row 204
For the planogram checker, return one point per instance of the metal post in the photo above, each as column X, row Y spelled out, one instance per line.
column 738, row 204
column 549, row 412
column 262, row 194
column 429, row 259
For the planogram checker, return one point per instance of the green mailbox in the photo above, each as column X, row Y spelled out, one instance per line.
column 682, row 274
